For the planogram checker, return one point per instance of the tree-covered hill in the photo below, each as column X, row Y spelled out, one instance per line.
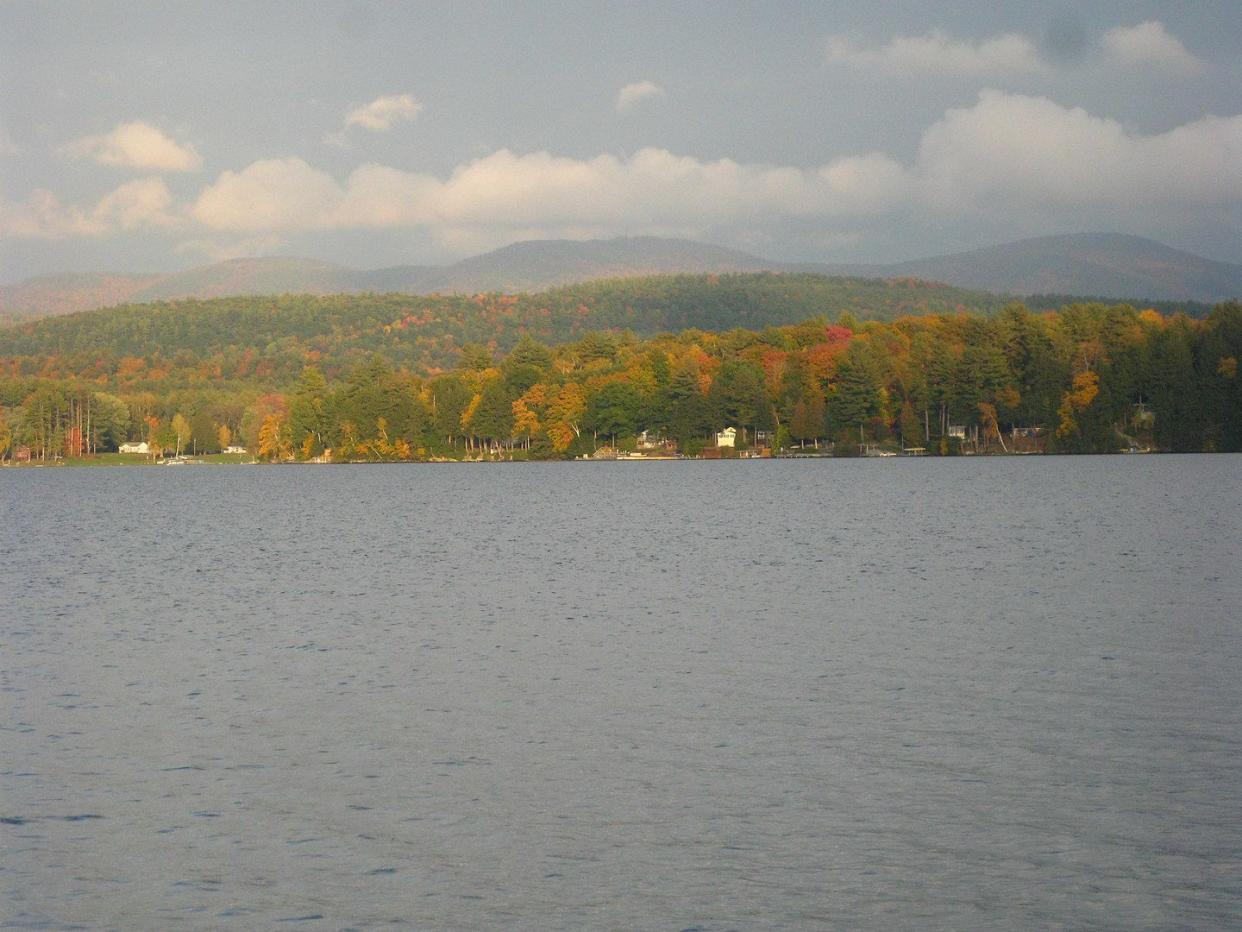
column 277, row 336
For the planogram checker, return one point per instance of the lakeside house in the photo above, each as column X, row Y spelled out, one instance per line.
column 140, row 447
column 651, row 440
column 727, row 437
column 234, row 449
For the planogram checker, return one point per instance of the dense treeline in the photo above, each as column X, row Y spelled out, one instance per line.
column 1089, row 378
column 1053, row 302
column 272, row 338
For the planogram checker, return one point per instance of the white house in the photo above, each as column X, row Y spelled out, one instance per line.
column 140, row 447
column 727, row 437
column 234, row 449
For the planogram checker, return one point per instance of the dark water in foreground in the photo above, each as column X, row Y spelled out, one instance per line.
column 800, row 694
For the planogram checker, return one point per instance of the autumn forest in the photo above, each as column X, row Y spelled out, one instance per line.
column 789, row 362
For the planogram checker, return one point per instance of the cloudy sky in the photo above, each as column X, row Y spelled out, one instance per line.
column 143, row 136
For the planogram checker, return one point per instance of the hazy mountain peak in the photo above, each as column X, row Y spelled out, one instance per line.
column 1109, row 265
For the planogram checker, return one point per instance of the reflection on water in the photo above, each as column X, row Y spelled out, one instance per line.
column 906, row 693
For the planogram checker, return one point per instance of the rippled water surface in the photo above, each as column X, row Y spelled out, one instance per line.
column 796, row 694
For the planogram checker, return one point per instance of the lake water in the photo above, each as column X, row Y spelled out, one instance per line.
column 976, row 693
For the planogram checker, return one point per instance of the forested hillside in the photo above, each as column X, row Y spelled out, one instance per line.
column 1090, row 378
column 274, row 337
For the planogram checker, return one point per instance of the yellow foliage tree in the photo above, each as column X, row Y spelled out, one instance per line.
column 990, row 424
column 155, row 439
column 526, row 412
column 181, row 427
column 467, row 416
column 564, row 416
column 1086, row 386
column 274, row 439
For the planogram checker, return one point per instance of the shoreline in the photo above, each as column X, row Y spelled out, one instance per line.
column 580, row 461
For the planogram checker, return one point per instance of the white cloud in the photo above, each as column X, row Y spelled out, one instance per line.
column 42, row 216
column 383, row 113
column 938, row 52
column 1010, row 150
column 633, row 94
column 378, row 196
column 652, row 188
column 136, row 205
column 1009, row 156
column 146, row 202
column 273, row 194
column 136, row 145
column 655, row 187
column 1149, row 45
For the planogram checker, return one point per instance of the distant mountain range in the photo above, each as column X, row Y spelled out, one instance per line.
column 1106, row 265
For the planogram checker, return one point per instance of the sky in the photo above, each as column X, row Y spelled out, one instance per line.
column 137, row 136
